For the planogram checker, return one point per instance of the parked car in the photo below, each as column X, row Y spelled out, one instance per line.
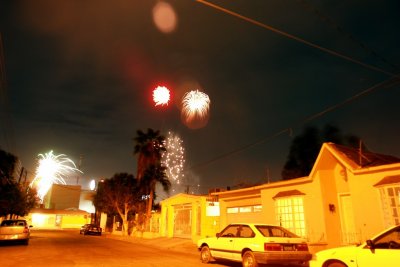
column 92, row 230
column 382, row 250
column 15, row 230
column 84, row 227
column 254, row 244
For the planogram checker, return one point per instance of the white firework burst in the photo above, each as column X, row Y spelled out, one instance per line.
column 51, row 170
column 174, row 158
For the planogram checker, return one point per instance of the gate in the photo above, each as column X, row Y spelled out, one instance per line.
column 183, row 221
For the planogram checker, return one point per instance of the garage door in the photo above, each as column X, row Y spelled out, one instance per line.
column 183, row 221
column 245, row 214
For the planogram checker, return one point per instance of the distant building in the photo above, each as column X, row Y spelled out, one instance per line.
column 62, row 197
column 64, row 207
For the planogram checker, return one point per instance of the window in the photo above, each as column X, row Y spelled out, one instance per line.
column 232, row 210
column 274, row 231
column 257, row 208
column 289, row 213
column 389, row 240
column 390, row 199
column 244, row 209
column 236, row 230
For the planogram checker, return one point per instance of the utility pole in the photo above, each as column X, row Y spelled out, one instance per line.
column 79, row 168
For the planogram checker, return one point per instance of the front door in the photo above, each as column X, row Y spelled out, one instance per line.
column 349, row 235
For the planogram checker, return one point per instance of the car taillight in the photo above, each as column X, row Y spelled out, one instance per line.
column 272, row 247
column 26, row 230
column 302, row 247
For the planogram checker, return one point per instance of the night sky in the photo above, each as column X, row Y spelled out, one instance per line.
column 79, row 79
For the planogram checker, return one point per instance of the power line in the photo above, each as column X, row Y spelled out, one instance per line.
column 290, row 36
column 341, row 30
column 393, row 81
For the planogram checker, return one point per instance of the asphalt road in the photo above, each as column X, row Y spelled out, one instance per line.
column 69, row 248
column 66, row 248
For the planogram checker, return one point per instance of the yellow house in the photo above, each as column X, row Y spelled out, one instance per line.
column 60, row 209
column 348, row 196
column 189, row 216
column 57, row 219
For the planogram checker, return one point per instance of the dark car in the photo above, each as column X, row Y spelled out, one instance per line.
column 84, row 227
column 92, row 230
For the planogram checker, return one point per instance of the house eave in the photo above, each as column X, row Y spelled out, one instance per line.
column 257, row 189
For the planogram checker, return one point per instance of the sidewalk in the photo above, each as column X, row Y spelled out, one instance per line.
column 172, row 243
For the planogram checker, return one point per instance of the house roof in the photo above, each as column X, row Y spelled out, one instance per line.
column 348, row 156
column 288, row 193
column 182, row 195
column 364, row 158
column 394, row 179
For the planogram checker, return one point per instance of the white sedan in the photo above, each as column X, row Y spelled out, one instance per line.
column 254, row 244
column 382, row 250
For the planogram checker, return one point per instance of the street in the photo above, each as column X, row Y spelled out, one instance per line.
column 48, row 248
column 69, row 248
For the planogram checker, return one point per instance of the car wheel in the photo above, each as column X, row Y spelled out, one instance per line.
column 336, row 264
column 26, row 242
column 248, row 260
column 205, row 254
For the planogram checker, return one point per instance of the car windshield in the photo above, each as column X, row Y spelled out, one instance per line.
column 274, row 231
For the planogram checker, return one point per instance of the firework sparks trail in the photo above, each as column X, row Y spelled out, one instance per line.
column 51, row 170
column 195, row 104
column 161, row 95
column 174, row 158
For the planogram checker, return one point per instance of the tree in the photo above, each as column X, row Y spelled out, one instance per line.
column 305, row 148
column 154, row 174
column 118, row 195
column 7, row 166
column 149, row 147
column 15, row 199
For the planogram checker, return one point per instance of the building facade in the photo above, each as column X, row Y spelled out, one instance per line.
column 349, row 196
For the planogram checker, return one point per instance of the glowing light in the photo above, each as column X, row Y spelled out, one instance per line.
column 195, row 104
column 92, row 185
column 51, row 170
column 164, row 17
column 161, row 95
column 174, row 158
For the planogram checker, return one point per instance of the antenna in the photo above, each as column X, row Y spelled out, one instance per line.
column 268, row 181
column 79, row 168
column 360, row 152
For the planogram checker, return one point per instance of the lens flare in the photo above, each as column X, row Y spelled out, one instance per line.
column 195, row 104
column 174, row 158
column 161, row 95
column 164, row 17
column 51, row 170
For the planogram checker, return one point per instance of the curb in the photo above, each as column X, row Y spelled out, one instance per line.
column 172, row 243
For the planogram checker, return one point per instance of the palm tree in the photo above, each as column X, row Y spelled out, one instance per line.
column 149, row 147
column 155, row 174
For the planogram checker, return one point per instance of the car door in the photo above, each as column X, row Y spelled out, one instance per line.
column 385, row 251
column 223, row 245
column 378, row 257
column 244, row 237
